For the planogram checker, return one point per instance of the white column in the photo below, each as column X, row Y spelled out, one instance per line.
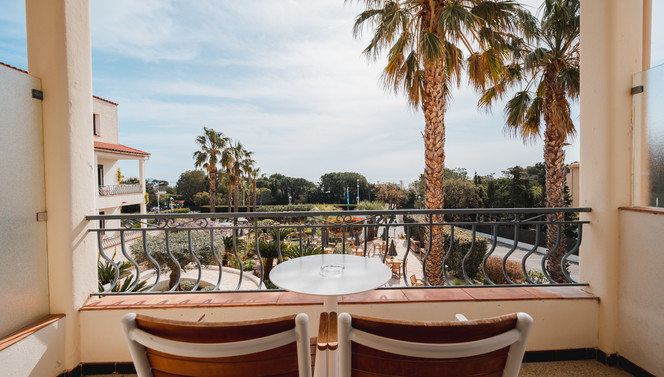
column 611, row 52
column 58, row 36
column 141, row 179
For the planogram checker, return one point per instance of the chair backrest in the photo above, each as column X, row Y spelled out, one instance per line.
column 274, row 347
column 486, row 347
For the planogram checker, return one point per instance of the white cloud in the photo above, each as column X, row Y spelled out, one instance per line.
column 284, row 77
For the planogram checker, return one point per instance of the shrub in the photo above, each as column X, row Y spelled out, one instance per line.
column 418, row 233
column 179, row 245
column 176, row 210
column 494, row 269
column 460, row 247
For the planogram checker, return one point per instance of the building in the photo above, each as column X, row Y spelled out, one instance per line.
column 617, row 315
column 112, row 194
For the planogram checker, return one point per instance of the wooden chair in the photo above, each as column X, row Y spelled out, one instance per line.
column 274, row 347
column 486, row 347
column 415, row 282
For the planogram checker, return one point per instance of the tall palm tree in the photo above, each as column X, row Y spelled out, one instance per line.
column 254, row 174
column 212, row 144
column 236, row 161
column 548, row 74
column 426, row 43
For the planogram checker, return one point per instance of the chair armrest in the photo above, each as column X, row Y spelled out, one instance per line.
column 332, row 337
column 323, row 331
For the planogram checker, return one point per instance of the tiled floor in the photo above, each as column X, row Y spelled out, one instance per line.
column 577, row 368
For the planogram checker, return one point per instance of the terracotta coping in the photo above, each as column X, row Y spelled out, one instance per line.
column 384, row 296
column 28, row 330
column 653, row 210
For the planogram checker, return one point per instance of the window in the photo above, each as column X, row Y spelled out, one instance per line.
column 96, row 125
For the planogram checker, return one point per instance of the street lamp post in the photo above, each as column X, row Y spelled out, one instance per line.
column 358, row 192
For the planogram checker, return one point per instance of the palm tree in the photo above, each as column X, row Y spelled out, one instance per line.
column 549, row 75
column 425, row 42
column 254, row 174
column 237, row 161
column 212, row 144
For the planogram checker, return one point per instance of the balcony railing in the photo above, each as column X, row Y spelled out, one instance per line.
column 235, row 251
column 119, row 189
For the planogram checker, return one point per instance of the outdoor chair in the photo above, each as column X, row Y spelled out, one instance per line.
column 486, row 347
column 415, row 282
column 273, row 347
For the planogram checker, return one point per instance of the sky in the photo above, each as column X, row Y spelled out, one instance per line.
column 286, row 78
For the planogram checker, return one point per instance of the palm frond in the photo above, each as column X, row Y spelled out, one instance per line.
column 516, row 110
column 568, row 80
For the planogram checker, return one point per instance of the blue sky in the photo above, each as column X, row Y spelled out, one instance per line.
column 285, row 77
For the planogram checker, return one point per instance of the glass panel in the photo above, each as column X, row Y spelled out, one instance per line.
column 649, row 138
column 23, row 263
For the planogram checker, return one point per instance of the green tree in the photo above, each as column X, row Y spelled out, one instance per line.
column 333, row 187
column 425, row 43
column 391, row 194
column 212, row 144
column 189, row 183
column 548, row 73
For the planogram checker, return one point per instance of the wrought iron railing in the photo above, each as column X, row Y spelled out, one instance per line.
column 119, row 189
column 235, row 251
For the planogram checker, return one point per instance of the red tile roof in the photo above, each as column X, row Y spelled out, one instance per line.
column 105, row 100
column 119, row 148
column 9, row 66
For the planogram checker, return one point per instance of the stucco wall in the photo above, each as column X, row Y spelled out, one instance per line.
column 641, row 302
column 559, row 324
column 108, row 121
column 41, row 354
column 23, row 271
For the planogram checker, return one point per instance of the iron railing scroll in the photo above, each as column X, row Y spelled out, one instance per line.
column 216, row 252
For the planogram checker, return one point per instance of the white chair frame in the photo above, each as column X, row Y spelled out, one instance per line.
column 516, row 339
column 138, row 340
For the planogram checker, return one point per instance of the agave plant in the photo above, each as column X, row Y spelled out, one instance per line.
column 106, row 275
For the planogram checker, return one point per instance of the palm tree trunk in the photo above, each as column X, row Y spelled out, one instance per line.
column 230, row 195
column 254, row 192
column 213, row 189
column 235, row 192
column 554, row 164
column 433, row 106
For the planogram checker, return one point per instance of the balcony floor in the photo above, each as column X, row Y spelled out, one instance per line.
column 575, row 368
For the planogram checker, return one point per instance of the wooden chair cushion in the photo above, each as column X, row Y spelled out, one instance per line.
column 281, row 361
column 370, row 362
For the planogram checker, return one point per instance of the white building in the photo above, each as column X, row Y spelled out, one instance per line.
column 111, row 195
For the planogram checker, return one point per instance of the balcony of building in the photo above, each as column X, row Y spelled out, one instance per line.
column 609, row 310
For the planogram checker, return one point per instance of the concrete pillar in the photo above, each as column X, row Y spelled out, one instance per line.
column 611, row 52
column 141, row 179
column 58, row 36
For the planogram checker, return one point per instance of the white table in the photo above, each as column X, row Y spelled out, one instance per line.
column 323, row 275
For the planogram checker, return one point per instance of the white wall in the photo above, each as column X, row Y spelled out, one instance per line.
column 641, row 330
column 41, row 354
column 108, row 119
column 23, row 271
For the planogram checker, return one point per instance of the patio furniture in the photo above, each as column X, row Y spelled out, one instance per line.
column 395, row 265
column 491, row 347
column 415, row 282
column 161, row 347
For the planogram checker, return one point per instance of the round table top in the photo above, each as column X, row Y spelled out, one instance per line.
column 304, row 274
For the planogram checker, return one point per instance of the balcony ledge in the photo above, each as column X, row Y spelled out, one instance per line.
column 381, row 296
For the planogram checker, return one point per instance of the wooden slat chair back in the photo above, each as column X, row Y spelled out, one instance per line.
column 274, row 347
column 486, row 347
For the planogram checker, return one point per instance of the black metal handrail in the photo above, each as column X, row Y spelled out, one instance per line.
column 227, row 244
